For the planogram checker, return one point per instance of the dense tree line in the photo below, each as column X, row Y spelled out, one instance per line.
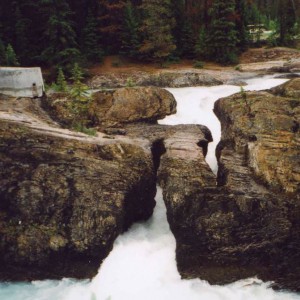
column 61, row 32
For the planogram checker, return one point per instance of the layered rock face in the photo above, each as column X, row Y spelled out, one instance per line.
column 64, row 200
column 180, row 78
column 65, row 196
column 248, row 224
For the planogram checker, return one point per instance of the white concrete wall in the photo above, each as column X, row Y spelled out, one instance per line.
column 18, row 82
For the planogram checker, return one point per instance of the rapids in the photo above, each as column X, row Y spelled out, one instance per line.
column 142, row 264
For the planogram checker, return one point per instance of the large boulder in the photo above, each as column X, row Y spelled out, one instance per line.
column 288, row 89
column 129, row 105
column 65, row 197
column 113, row 107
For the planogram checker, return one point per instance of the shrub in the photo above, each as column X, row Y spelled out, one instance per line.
column 79, row 127
column 130, row 82
column 61, row 84
column 199, row 64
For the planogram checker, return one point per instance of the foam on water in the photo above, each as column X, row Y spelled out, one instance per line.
column 195, row 106
column 142, row 264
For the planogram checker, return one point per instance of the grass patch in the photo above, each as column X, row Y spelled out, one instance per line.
column 82, row 128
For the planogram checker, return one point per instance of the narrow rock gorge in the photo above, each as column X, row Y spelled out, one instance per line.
column 66, row 196
column 246, row 223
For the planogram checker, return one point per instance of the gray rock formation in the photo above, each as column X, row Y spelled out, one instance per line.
column 65, row 196
column 180, row 78
column 247, row 225
column 64, row 199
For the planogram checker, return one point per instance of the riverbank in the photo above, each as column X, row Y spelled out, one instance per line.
column 116, row 72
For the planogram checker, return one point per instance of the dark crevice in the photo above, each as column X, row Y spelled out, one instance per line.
column 204, row 145
column 157, row 149
column 295, row 127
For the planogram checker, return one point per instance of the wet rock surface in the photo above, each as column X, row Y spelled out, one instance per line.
column 66, row 196
column 246, row 223
column 64, row 200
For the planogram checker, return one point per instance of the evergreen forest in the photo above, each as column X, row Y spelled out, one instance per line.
column 61, row 32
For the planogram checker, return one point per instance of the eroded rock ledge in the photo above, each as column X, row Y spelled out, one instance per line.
column 247, row 225
column 64, row 200
column 66, row 196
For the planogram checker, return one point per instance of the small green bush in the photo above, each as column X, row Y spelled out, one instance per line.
column 199, row 64
column 130, row 82
column 231, row 59
column 61, row 83
column 272, row 40
column 79, row 127
column 243, row 94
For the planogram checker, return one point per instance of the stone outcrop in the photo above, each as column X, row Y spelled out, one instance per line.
column 65, row 196
column 270, row 60
column 263, row 67
column 247, row 225
column 130, row 105
column 180, row 78
column 115, row 107
column 256, row 55
column 64, row 200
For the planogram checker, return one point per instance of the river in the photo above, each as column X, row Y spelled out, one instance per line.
column 142, row 264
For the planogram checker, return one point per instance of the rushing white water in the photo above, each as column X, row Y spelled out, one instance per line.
column 142, row 264
column 195, row 106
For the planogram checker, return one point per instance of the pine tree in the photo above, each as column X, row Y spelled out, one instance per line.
column 130, row 32
column 91, row 40
column 178, row 9
column 2, row 54
column 221, row 37
column 11, row 58
column 61, row 42
column 187, row 40
column 79, row 90
column 200, row 46
column 287, row 21
column 158, row 42
column 22, row 44
column 61, row 83
column 241, row 24
column 79, row 94
column 111, row 21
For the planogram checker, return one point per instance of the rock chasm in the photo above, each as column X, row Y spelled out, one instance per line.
column 66, row 196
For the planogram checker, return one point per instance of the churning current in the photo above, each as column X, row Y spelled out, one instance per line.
column 142, row 264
